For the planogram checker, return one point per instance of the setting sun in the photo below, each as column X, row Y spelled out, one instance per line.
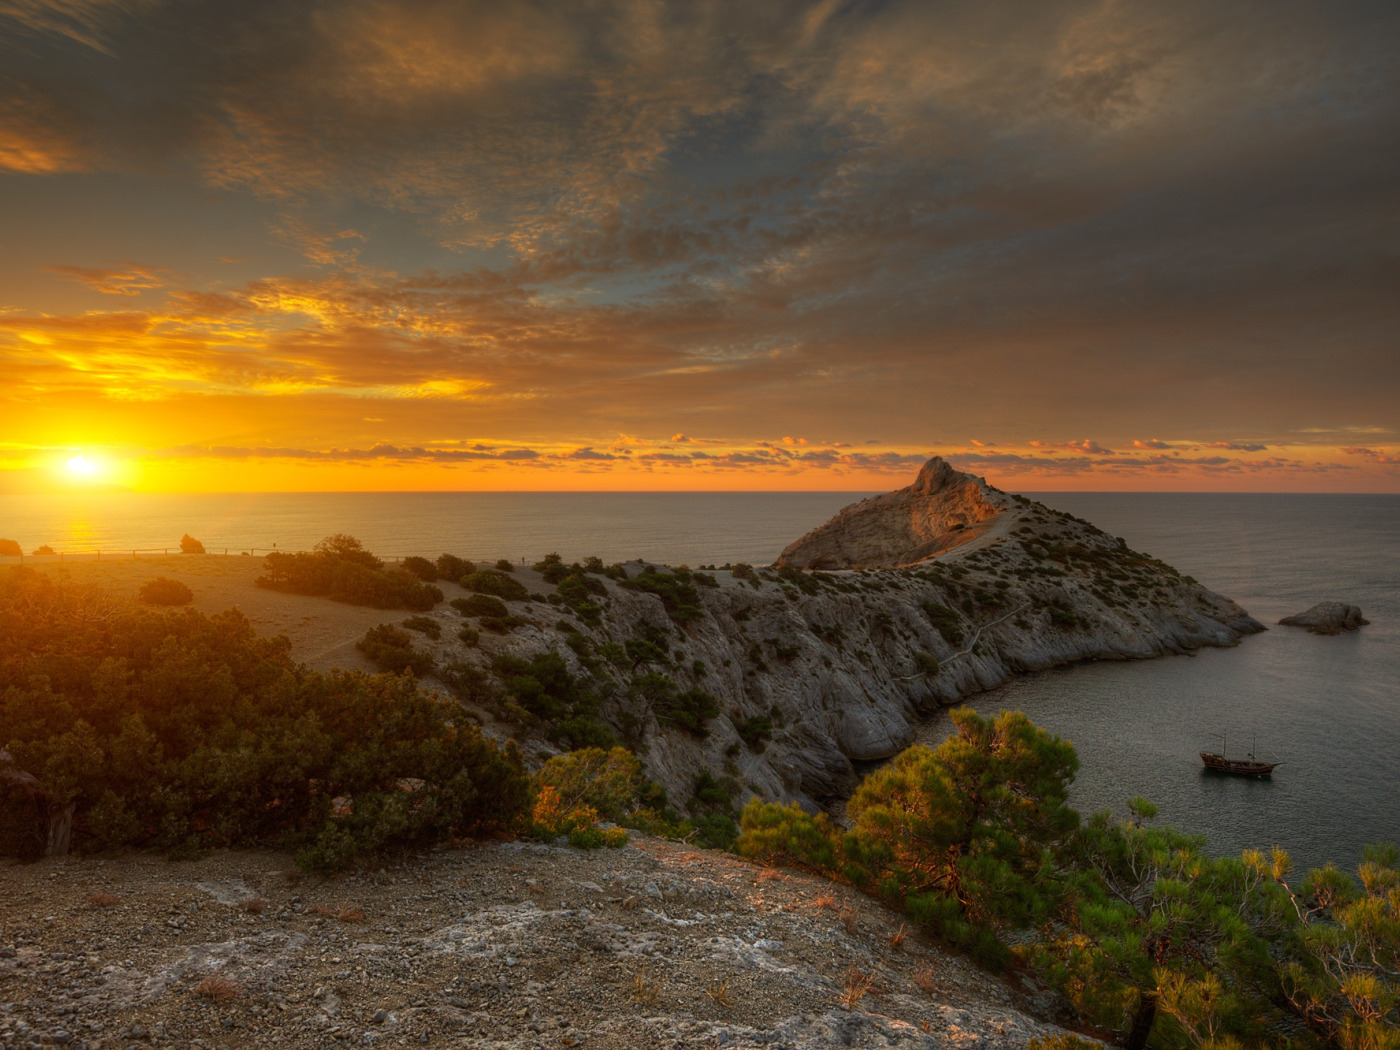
column 82, row 467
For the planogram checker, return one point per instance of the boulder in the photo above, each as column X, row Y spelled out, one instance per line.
column 1327, row 618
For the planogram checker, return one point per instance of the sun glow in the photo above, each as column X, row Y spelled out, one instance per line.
column 83, row 467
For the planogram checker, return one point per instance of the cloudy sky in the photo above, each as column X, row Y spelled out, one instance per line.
column 621, row 244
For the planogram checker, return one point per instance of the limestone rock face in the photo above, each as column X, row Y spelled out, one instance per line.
column 942, row 510
column 841, row 665
column 1328, row 618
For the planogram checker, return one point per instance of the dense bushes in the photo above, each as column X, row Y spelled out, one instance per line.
column 165, row 591
column 690, row 709
column 10, row 549
column 675, row 589
column 341, row 569
column 496, row 583
column 480, row 605
column 451, row 567
column 1140, row 929
column 947, row 622
column 542, row 689
column 957, row 835
column 392, row 650
column 179, row 731
column 190, row 545
column 421, row 567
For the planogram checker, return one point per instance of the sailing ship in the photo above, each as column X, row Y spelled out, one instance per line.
column 1240, row 767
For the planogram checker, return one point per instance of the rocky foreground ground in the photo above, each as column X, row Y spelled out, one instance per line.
column 499, row 945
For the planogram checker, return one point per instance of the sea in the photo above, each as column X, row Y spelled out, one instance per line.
column 1326, row 708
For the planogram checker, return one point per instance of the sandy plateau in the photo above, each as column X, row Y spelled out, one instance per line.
column 323, row 633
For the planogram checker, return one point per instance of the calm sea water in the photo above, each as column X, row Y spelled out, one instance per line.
column 691, row 528
column 1329, row 708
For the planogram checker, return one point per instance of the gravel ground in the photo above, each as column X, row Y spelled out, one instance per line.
column 503, row 944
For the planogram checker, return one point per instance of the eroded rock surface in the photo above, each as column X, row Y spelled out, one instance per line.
column 1328, row 618
column 504, row 945
column 942, row 510
column 840, row 666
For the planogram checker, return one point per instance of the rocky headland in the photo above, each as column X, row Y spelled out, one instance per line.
column 898, row 606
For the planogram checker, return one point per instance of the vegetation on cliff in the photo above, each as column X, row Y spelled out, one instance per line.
column 124, row 725
column 1145, row 934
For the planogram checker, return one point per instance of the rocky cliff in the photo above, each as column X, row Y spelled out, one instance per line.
column 940, row 512
column 813, row 671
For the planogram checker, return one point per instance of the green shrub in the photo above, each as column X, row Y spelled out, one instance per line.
column 709, row 793
column 505, row 565
column 469, row 635
column 946, row 621
column 480, row 605
column 755, row 732
column 346, row 548
column 789, row 836
column 392, row 650
column 675, row 589
column 552, row 568
column 543, row 687
column 422, row 568
column 598, row 838
column 502, row 624
column 927, row 663
column 640, row 651
column 424, row 625
column 716, row 831
column 10, row 549
column 165, row 591
column 190, row 545
column 451, row 567
column 340, row 569
column 490, row 581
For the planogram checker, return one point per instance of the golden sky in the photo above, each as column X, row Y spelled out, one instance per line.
column 635, row 244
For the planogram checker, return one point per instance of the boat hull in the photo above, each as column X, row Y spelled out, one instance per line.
column 1239, row 767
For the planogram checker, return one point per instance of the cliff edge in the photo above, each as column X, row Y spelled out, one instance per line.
column 778, row 681
column 941, row 511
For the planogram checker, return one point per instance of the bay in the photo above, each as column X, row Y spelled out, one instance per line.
column 1328, row 707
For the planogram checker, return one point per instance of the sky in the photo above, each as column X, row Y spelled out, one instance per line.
column 636, row 244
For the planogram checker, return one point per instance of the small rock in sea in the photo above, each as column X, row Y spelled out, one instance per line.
column 1327, row 618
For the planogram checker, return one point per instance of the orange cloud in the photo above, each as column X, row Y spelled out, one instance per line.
column 133, row 279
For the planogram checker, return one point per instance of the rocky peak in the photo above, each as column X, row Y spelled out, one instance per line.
column 943, row 509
